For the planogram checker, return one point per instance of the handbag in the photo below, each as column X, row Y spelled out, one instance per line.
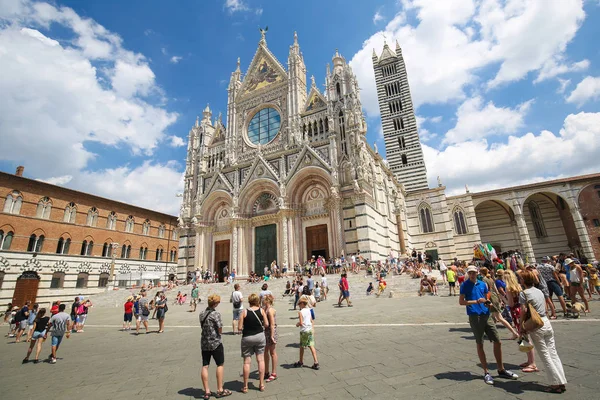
column 532, row 320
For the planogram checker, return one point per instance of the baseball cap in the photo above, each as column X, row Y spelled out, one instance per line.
column 545, row 258
column 471, row 268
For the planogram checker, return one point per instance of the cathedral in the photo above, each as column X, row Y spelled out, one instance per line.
column 288, row 174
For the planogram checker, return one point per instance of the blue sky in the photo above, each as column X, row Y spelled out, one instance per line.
column 100, row 95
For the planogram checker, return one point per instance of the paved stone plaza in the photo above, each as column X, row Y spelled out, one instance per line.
column 382, row 348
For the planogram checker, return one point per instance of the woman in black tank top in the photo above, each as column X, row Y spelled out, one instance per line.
column 252, row 325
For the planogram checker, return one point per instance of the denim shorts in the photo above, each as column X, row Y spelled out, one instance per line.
column 554, row 288
column 56, row 340
column 38, row 335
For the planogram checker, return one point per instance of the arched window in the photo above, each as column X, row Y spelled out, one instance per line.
column 129, row 224
column 425, row 219
column 87, row 248
column 6, row 240
column 338, row 89
column 537, row 219
column 174, row 235
column 82, row 280
column 70, row 213
column 103, row 280
column 13, row 202
column 126, row 251
column 36, row 243
column 143, row 252
column 106, row 250
column 58, row 280
column 63, row 246
column 161, row 231
column 146, row 227
column 111, row 221
column 43, row 208
column 460, row 227
column 92, row 217
column 173, row 256
column 158, row 255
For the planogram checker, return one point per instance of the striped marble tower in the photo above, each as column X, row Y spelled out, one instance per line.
column 403, row 148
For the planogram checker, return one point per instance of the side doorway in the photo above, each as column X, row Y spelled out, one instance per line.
column 26, row 288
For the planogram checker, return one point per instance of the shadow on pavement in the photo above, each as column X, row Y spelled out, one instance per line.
column 511, row 386
column 192, row 392
column 294, row 345
column 461, row 376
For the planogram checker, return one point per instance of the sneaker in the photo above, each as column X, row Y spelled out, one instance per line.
column 508, row 374
column 53, row 361
column 488, row 379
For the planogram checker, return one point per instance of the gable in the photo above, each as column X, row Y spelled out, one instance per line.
column 315, row 102
column 264, row 70
column 259, row 170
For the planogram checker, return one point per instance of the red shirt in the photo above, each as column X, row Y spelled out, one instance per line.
column 345, row 284
column 128, row 307
column 54, row 309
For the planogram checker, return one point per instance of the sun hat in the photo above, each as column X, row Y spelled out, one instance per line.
column 471, row 268
column 568, row 261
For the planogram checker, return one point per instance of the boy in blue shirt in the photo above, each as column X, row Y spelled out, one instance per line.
column 473, row 294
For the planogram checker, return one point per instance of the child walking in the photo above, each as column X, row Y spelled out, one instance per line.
column 307, row 339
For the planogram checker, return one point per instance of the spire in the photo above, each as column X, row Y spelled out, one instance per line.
column 197, row 121
column 338, row 60
column 312, row 82
column 398, row 49
column 328, row 70
column 206, row 114
column 238, row 66
column 387, row 52
column 295, row 38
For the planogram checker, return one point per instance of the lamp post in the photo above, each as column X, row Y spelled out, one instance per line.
column 114, row 247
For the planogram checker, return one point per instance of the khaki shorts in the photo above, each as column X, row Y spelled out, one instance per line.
column 481, row 324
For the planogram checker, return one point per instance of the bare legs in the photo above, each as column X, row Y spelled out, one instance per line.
column 204, row 376
column 161, row 325
column 260, row 359
column 271, row 355
column 497, row 355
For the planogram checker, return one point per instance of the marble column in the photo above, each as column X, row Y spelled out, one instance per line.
column 582, row 232
column 234, row 246
column 400, row 232
column 284, row 228
column 198, row 250
column 526, row 245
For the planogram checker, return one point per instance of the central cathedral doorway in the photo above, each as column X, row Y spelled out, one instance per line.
column 265, row 247
column 317, row 242
column 221, row 257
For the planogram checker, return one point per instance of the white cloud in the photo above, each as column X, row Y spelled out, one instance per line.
column 175, row 59
column 258, row 11
column 426, row 136
column 176, row 141
column 563, row 85
column 436, row 120
column 519, row 160
column 58, row 180
column 377, row 17
column 476, row 120
column 551, row 68
column 151, row 185
column 235, row 6
column 129, row 79
column 586, row 90
column 446, row 49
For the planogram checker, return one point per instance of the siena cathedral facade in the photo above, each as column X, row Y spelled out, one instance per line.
column 289, row 174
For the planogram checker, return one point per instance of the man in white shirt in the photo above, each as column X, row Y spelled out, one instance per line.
column 237, row 299
column 324, row 287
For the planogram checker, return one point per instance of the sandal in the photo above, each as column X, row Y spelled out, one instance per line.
column 298, row 364
column 525, row 364
column 261, row 388
column 244, row 389
column 207, row 395
column 315, row 366
column 224, row 393
column 553, row 317
column 530, row 369
column 271, row 378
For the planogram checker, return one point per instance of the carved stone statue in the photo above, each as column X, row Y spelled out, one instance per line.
column 356, row 187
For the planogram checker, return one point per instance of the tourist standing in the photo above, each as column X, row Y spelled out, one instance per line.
column 194, row 301
column 61, row 324
column 344, row 290
column 237, row 299
column 324, row 287
column 32, row 315
column 576, row 278
column 128, row 314
column 307, row 339
column 451, row 276
column 270, row 338
column 156, row 299
column 253, row 323
column 310, row 282
column 473, row 295
column 74, row 315
column 144, row 313
column 513, row 291
column 265, row 291
column 543, row 338
column 162, row 307
column 39, row 326
column 549, row 274
column 212, row 346
column 85, row 309
column 443, row 268
column 21, row 318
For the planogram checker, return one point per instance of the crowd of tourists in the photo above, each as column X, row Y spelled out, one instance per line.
column 34, row 323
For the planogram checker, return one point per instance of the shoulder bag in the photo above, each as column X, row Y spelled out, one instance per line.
column 532, row 320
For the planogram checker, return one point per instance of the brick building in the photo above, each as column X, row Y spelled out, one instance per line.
column 56, row 243
column 589, row 204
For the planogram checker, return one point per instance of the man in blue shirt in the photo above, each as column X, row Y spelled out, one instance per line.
column 473, row 294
